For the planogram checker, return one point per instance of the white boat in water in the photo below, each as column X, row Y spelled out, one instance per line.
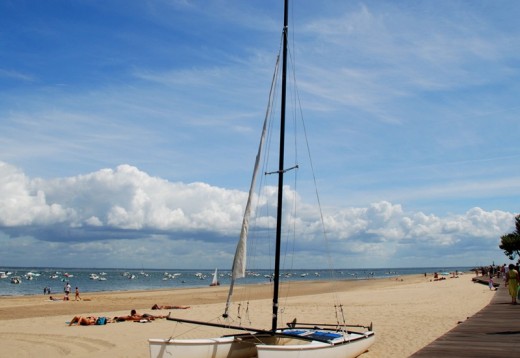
column 214, row 281
column 297, row 340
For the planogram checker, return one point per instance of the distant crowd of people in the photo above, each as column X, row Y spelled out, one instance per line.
column 510, row 275
column 492, row 270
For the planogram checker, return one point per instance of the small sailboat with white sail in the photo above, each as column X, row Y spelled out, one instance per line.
column 296, row 340
column 214, row 281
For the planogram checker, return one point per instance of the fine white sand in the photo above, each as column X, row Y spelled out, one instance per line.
column 408, row 313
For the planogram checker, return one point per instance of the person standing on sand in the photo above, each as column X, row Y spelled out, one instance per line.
column 512, row 282
column 66, row 289
column 77, row 295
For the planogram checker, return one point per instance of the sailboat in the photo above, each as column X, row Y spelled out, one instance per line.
column 302, row 340
column 214, row 281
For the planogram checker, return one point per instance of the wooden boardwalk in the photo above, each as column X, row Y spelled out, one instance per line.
column 492, row 332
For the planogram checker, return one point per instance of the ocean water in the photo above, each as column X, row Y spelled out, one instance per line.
column 34, row 279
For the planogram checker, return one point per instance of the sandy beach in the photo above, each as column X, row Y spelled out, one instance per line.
column 408, row 313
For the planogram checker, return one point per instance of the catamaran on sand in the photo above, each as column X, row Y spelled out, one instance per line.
column 302, row 340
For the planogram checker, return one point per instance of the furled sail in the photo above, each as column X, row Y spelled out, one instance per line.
column 239, row 262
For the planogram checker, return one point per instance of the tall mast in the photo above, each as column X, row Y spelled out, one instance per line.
column 280, row 169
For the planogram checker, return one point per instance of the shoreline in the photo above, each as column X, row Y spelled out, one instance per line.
column 94, row 280
column 398, row 307
column 96, row 302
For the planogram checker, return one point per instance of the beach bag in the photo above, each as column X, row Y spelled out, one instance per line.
column 101, row 321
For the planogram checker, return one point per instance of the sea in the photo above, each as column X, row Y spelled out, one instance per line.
column 33, row 280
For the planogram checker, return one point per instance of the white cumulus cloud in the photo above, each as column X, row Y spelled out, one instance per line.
column 127, row 209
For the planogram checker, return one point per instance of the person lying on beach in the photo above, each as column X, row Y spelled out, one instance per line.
column 436, row 277
column 136, row 317
column 167, row 307
column 89, row 321
column 54, row 299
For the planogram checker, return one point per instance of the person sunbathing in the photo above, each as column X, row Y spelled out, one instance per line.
column 136, row 317
column 89, row 321
column 167, row 307
column 83, row 321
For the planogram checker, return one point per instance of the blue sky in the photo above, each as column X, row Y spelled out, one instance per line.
column 128, row 129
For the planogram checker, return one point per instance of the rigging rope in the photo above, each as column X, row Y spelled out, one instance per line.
column 299, row 118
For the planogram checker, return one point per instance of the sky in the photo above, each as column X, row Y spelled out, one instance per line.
column 128, row 129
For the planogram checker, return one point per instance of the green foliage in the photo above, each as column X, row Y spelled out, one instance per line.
column 510, row 243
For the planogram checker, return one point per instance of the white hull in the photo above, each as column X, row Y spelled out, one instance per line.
column 261, row 346
column 223, row 347
column 357, row 345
